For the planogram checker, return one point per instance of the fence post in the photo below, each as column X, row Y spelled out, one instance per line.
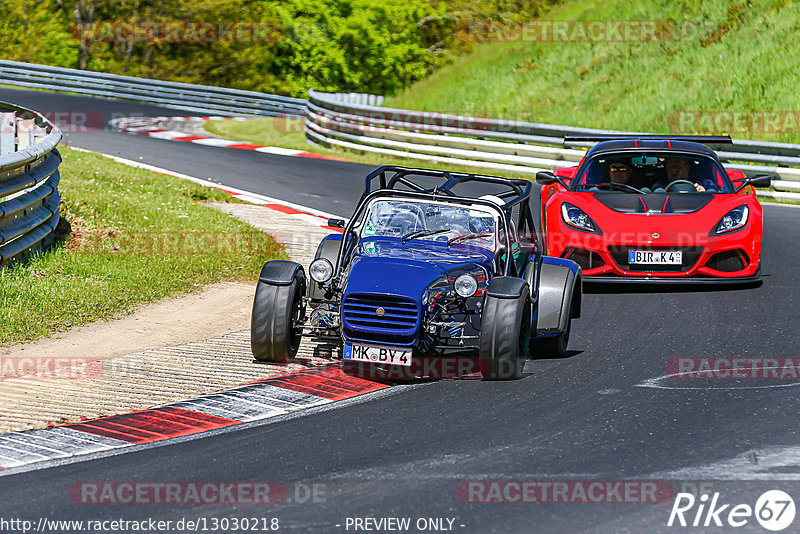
column 24, row 133
column 7, row 133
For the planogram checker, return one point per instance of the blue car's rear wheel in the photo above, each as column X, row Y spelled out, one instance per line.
column 505, row 331
column 275, row 330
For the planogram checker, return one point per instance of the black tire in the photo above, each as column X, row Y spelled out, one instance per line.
column 551, row 347
column 276, row 310
column 505, row 332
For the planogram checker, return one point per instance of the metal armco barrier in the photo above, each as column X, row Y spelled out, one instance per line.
column 365, row 99
column 28, row 181
column 513, row 146
column 190, row 97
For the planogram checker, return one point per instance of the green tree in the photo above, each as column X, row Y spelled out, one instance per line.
column 377, row 46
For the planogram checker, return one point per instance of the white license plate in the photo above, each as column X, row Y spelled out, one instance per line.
column 384, row 355
column 655, row 257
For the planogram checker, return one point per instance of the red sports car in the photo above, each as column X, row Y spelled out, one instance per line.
column 654, row 209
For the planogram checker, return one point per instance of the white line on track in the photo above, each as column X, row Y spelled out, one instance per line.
column 656, row 382
column 768, row 463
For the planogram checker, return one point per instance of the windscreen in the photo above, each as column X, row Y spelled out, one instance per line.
column 653, row 172
column 472, row 225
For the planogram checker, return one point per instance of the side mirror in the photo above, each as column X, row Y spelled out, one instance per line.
column 762, row 180
column 547, row 178
column 336, row 223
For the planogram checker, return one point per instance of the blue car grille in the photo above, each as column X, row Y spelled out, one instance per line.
column 400, row 317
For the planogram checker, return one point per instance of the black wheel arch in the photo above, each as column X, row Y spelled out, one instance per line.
column 559, row 294
column 282, row 273
column 277, row 306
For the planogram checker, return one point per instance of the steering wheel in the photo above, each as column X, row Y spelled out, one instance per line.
column 681, row 182
column 412, row 217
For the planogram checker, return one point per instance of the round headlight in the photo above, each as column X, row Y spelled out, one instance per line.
column 727, row 223
column 733, row 220
column 321, row 270
column 466, row 285
column 574, row 216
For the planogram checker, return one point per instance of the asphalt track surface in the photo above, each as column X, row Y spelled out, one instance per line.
column 406, row 452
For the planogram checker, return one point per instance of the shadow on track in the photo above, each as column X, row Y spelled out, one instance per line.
column 606, row 288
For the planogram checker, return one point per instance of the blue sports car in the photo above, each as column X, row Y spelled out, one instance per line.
column 421, row 272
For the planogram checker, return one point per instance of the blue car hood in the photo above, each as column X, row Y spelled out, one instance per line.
column 389, row 266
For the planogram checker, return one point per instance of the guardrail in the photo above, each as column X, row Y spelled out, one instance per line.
column 190, row 97
column 512, row 146
column 28, row 181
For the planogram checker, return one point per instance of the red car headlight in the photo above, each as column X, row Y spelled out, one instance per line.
column 734, row 220
column 576, row 218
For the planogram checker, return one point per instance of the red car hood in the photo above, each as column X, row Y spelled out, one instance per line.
column 651, row 203
column 657, row 218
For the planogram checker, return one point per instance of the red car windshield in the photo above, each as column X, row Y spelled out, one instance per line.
column 653, row 172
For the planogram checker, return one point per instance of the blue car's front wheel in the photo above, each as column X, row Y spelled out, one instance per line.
column 275, row 325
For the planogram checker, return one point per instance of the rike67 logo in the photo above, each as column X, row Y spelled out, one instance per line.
column 774, row 510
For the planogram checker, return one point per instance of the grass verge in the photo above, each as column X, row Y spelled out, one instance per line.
column 128, row 236
column 721, row 56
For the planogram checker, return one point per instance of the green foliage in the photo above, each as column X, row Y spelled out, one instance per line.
column 36, row 31
column 356, row 45
column 379, row 46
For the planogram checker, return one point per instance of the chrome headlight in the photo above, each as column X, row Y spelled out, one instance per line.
column 321, row 270
column 734, row 220
column 575, row 217
column 466, row 285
